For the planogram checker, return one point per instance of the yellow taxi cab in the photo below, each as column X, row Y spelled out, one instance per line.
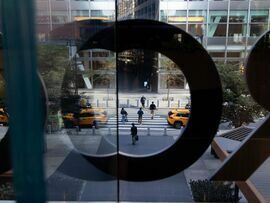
column 3, row 117
column 87, row 117
column 178, row 117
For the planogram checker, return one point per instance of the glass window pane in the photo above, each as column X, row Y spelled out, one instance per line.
column 233, row 54
column 94, row 83
column 239, row 29
column 181, row 26
column 197, row 16
column 163, row 17
column 238, row 16
column 217, row 30
column 259, row 16
column 98, row 13
column 80, row 13
column 218, row 16
column 77, row 82
column 257, row 29
column 217, row 54
column 196, row 29
column 174, row 16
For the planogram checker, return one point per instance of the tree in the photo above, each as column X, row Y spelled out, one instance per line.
column 105, row 76
column 174, row 79
column 52, row 63
column 238, row 106
column 207, row 191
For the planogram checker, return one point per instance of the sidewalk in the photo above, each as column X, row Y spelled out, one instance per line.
column 90, row 184
column 108, row 99
column 63, row 164
column 61, row 160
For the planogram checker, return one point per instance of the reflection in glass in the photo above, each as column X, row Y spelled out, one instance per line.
column 81, row 90
column 234, row 54
column 147, row 78
column 7, row 191
column 173, row 16
column 238, row 16
column 83, row 108
column 217, row 30
column 217, row 54
column 259, row 16
column 196, row 29
column 257, row 29
column 218, row 16
column 181, row 26
column 60, row 17
column 198, row 13
column 84, row 111
column 237, row 29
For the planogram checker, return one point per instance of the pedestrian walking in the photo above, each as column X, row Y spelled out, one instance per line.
column 134, row 135
column 140, row 115
column 152, row 110
column 143, row 101
column 124, row 115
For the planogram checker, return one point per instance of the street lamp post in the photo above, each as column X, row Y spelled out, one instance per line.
column 76, row 75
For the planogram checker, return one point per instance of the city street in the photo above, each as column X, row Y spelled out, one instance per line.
column 157, row 128
column 75, row 179
column 71, row 178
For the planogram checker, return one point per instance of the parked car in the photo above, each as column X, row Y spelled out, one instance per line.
column 178, row 117
column 87, row 117
column 3, row 117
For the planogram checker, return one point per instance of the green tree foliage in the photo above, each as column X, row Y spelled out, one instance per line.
column 7, row 191
column 239, row 107
column 106, row 75
column 175, row 78
column 207, row 191
column 53, row 62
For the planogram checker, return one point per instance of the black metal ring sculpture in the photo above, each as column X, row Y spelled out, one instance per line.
column 205, row 89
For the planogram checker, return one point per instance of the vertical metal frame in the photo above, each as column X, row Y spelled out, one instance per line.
column 248, row 29
column 227, row 30
column 50, row 14
column 24, row 103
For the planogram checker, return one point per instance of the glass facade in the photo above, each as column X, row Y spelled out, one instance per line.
column 222, row 29
column 99, row 83
column 215, row 26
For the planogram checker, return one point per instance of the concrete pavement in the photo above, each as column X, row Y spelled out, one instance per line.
column 103, row 98
column 76, row 179
column 61, row 160
column 62, row 166
column 69, row 178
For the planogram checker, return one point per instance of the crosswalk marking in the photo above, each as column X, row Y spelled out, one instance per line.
column 156, row 124
column 154, row 127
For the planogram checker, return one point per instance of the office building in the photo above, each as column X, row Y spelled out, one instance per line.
column 226, row 28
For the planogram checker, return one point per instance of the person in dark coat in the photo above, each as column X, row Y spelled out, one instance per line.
column 152, row 110
column 134, row 135
column 124, row 115
column 140, row 114
column 143, row 101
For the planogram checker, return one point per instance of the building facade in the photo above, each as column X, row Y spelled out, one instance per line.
column 226, row 28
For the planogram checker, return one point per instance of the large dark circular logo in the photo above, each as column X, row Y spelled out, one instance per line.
column 258, row 69
column 205, row 89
